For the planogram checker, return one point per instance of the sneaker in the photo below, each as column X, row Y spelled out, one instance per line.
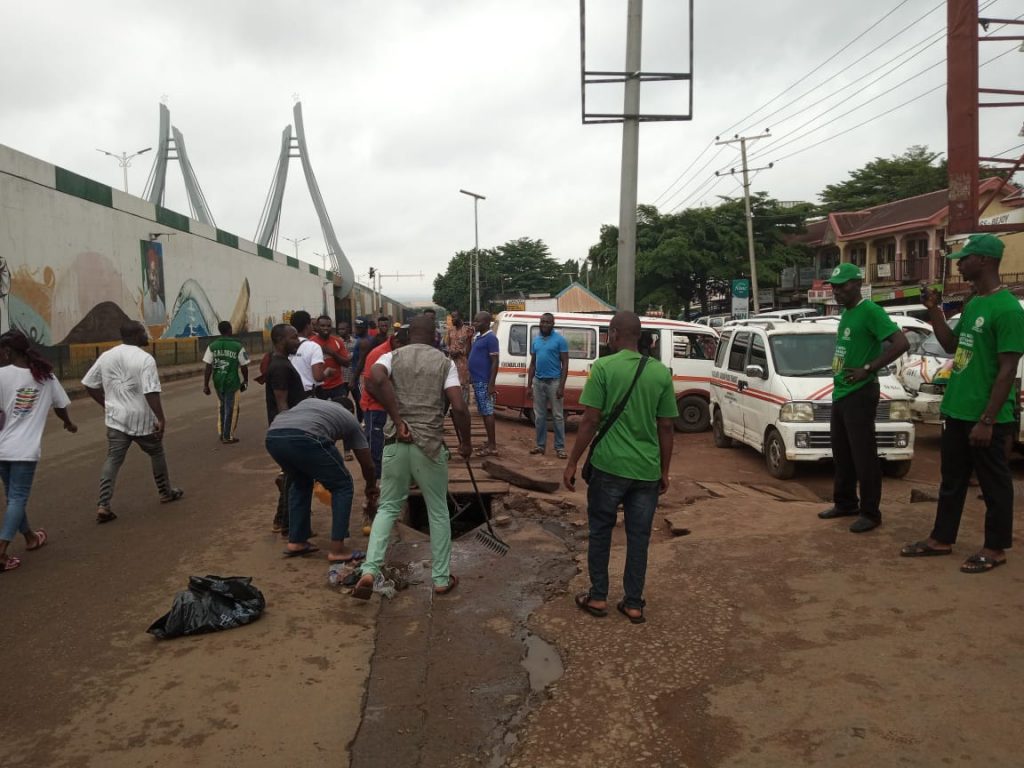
column 863, row 524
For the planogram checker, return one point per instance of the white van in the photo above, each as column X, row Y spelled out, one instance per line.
column 771, row 388
column 918, row 311
column 788, row 315
column 687, row 349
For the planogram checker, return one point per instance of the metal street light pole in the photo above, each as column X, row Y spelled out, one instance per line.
column 626, row 269
column 476, row 252
column 124, row 160
column 295, row 241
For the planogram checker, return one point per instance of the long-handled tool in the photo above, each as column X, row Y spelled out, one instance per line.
column 487, row 538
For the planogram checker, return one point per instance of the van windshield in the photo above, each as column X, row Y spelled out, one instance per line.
column 804, row 354
column 931, row 346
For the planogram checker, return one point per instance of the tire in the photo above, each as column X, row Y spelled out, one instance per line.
column 694, row 414
column 775, row 457
column 527, row 413
column 895, row 468
column 722, row 440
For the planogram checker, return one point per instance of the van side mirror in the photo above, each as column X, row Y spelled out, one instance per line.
column 756, row 371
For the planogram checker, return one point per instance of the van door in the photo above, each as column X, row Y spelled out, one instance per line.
column 583, row 351
column 737, row 372
column 757, row 412
column 513, row 361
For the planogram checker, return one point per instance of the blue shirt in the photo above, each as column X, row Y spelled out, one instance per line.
column 548, row 350
column 480, row 356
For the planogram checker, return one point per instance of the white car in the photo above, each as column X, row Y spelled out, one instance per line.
column 788, row 315
column 771, row 389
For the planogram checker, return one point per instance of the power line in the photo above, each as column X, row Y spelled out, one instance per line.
column 696, row 173
column 686, row 170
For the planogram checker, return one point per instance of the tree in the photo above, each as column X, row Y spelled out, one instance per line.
column 884, row 180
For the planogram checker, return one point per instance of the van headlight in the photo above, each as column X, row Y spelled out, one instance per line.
column 899, row 410
column 797, row 412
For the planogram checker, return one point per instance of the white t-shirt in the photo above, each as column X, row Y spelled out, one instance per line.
column 26, row 403
column 309, row 354
column 452, row 379
column 126, row 374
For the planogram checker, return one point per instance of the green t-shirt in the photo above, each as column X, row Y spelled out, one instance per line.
column 630, row 449
column 988, row 326
column 859, row 341
column 226, row 355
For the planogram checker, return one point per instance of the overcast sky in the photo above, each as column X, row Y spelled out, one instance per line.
column 407, row 101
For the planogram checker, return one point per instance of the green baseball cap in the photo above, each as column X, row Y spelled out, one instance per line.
column 983, row 245
column 844, row 273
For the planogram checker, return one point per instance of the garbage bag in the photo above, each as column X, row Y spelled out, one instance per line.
column 210, row 604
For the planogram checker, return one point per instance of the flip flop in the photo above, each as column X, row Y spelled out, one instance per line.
column 9, row 564
column 921, row 549
column 40, row 541
column 362, row 591
column 583, row 603
column 105, row 516
column 632, row 619
column 174, row 495
column 453, row 582
column 980, row 564
column 309, row 549
column 357, row 554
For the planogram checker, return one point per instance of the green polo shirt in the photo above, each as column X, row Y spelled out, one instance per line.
column 631, row 448
column 859, row 338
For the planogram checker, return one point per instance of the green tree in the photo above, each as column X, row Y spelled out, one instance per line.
column 885, row 179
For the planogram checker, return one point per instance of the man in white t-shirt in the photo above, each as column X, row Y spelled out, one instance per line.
column 125, row 382
column 308, row 360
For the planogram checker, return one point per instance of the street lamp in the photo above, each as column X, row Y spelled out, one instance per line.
column 295, row 241
column 124, row 160
column 476, row 252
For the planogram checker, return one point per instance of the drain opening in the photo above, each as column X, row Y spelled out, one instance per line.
column 463, row 510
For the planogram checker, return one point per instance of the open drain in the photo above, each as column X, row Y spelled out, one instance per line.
column 464, row 512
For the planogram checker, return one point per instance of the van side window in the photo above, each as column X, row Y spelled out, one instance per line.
column 650, row 343
column 582, row 341
column 738, row 353
column 758, row 354
column 723, row 345
column 517, row 340
column 694, row 346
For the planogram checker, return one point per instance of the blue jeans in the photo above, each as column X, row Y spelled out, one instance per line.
column 306, row 459
column 373, row 429
column 639, row 499
column 17, row 477
column 544, row 392
column 227, row 415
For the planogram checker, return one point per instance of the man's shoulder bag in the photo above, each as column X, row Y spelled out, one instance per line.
column 588, row 469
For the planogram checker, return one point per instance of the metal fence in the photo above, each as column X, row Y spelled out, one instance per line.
column 71, row 361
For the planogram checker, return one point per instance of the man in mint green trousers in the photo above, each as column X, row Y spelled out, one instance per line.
column 415, row 384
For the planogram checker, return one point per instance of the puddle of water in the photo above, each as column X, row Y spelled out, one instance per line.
column 542, row 662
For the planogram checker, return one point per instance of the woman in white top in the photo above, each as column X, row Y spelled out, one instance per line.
column 28, row 389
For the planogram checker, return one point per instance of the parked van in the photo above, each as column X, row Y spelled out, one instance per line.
column 918, row 311
column 788, row 315
column 687, row 349
column 771, row 389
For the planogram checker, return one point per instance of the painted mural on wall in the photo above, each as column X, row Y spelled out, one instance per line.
column 154, row 308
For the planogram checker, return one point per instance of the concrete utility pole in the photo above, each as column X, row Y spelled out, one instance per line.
column 746, row 201
column 295, row 241
column 476, row 253
column 626, row 269
column 124, row 160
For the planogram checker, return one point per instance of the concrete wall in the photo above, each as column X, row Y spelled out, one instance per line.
column 76, row 260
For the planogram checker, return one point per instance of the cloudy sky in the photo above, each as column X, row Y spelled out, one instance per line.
column 407, row 101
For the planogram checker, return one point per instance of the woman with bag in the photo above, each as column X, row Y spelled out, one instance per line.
column 28, row 389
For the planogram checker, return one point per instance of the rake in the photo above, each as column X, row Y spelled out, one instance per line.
column 488, row 538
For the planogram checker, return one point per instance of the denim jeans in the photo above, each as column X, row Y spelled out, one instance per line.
column 227, row 415
column 373, row 429
column 306, row 459
column 639, row 499
column 118, row 443
column 544, row 392
column 17, row 477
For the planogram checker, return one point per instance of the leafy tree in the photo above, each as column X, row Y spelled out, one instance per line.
column 884, row 180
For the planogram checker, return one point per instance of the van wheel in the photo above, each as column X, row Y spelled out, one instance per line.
column 527, row 413
column 693, row 414
column 775, row 457
column 895, row 468
column 722, row 440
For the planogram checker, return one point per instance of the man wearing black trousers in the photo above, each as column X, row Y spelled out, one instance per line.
column 978, row 406
column 859, row 356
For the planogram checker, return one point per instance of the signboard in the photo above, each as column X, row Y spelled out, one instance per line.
column 883, row 270
column 766, row 297
column 819, row 292
column 515, row 305
column 740, row 298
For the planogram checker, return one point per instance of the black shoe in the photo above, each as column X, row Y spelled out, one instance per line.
column 833, row 512
column 863, row 524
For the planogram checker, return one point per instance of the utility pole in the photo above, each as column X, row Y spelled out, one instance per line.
column 746, row 201
column 295, row 241
column 124, row 160
column 626, row 268
column 476, row 253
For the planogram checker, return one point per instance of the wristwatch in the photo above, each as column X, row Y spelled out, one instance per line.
column 867, row 368
column 986, row 420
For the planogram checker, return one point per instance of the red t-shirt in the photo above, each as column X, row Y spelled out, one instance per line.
column 334, row 344
column 366, row 402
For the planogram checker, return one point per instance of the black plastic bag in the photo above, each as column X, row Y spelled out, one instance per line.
column 210, row 604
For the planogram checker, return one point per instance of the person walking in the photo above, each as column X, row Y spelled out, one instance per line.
column 415, row 384
column 125, row 382
column 360, row 335
column 483, row 372
column 545, row 382
column 308, row 359
column 336, row 362
column 628, row 422
column 284, row 390
column 858, row 358
column 28, row 390
column 458, row 340
column 228, row 363
column 302, row 441
column 977, row 406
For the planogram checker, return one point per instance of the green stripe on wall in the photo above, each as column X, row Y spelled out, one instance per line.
column 72, row 184
column 171, row 218
column 330, row 276
column 226, row 238
column 292, row 262
column 313, row 270
column 264, row 252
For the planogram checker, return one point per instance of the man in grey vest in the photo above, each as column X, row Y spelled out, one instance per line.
column 413, row 383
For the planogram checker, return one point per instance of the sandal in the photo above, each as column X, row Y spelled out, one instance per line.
column 309, row 549
column 921, row 549
column 453, row 582
column 562, row 454
column 632, row 619
column 363, row 590
column 583, row 603
column 40, row 541
column 357, row 554
column 980, row 564
column 9, row 564
column 174, row 495
column 105, row 516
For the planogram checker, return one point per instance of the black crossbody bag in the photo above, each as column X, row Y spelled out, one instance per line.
column 588, row 469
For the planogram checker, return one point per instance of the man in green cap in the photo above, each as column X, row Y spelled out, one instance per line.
column 858, row 357
column 978, row 407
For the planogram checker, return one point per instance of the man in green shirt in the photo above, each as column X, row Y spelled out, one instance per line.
column 226, row 360
column 978, row 406
column 859, row 356
column 630, row 462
